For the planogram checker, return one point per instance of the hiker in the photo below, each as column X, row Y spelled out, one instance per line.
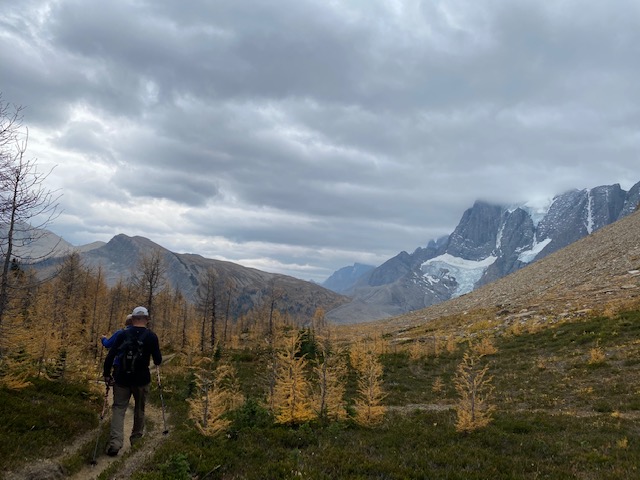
column 134, row 348
column 108, row 342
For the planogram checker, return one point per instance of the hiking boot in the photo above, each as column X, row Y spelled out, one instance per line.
column 112, row 452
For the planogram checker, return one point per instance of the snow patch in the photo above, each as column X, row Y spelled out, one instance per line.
column 466, row 272
column 499, row 236
column 528, row 255
column 589, row 213
column 431, row 280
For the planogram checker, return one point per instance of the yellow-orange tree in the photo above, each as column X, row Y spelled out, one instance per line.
column 331, row 372
column 368, row 403
column 473, row 384
column 291, row 398
column 217, row 393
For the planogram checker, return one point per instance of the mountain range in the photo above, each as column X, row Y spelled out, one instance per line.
column 596, row 275
column 490, row 242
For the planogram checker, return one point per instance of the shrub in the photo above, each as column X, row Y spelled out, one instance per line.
column 176, row 468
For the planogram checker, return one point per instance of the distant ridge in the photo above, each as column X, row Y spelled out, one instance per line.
column 344, row 279
column 250, row 287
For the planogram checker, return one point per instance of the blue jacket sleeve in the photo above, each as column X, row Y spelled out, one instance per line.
column 111, row 356
column 108, row 342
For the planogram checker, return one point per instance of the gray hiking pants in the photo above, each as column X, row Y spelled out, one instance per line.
column 121, row 396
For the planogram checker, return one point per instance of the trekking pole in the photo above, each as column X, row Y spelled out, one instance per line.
column 102, row 415
column 164, row 420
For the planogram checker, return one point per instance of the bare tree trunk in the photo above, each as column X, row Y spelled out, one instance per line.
column 226, row 317
column 213, row 319
column 184, row 326
column 94, row 318
column 4, row 283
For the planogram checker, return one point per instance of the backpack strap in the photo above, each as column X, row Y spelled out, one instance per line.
column 143, row 335
column 131, row 334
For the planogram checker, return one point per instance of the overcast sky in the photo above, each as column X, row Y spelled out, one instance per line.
column 301, row 136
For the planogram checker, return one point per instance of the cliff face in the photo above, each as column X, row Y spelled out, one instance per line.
column 600, row 272
column 490, row 242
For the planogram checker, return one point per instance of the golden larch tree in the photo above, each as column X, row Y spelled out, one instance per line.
column 473, row 385
column 217, row 393
column 17, row 364
column 368, row 403
column 331, row 371
column 291, row 399
column 358, row 352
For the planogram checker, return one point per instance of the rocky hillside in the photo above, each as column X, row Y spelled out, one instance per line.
column 250, row 287
column 599, row 273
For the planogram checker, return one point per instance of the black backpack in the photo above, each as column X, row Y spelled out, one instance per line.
column 131, row 351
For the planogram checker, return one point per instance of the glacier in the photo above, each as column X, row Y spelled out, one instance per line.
column 465, row 272
column 528, row 255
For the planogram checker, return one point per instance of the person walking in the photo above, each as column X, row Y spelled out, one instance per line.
column 134, row 348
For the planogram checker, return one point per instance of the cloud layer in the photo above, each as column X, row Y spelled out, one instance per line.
column 300, row 136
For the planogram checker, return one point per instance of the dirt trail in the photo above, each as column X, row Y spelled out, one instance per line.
column 128, row 462
column 577, row 413
column 133, row 461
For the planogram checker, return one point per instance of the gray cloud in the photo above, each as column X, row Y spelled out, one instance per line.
column 301, row 136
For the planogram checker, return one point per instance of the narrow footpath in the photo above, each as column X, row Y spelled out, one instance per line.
column 127, row 461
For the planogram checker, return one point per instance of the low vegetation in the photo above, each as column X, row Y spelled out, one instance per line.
column 563, row 403
column 38, row 421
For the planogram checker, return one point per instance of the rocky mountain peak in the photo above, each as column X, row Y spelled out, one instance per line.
column 489, row 242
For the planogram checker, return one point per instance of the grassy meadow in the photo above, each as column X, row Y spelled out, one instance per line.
column 566, row 398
